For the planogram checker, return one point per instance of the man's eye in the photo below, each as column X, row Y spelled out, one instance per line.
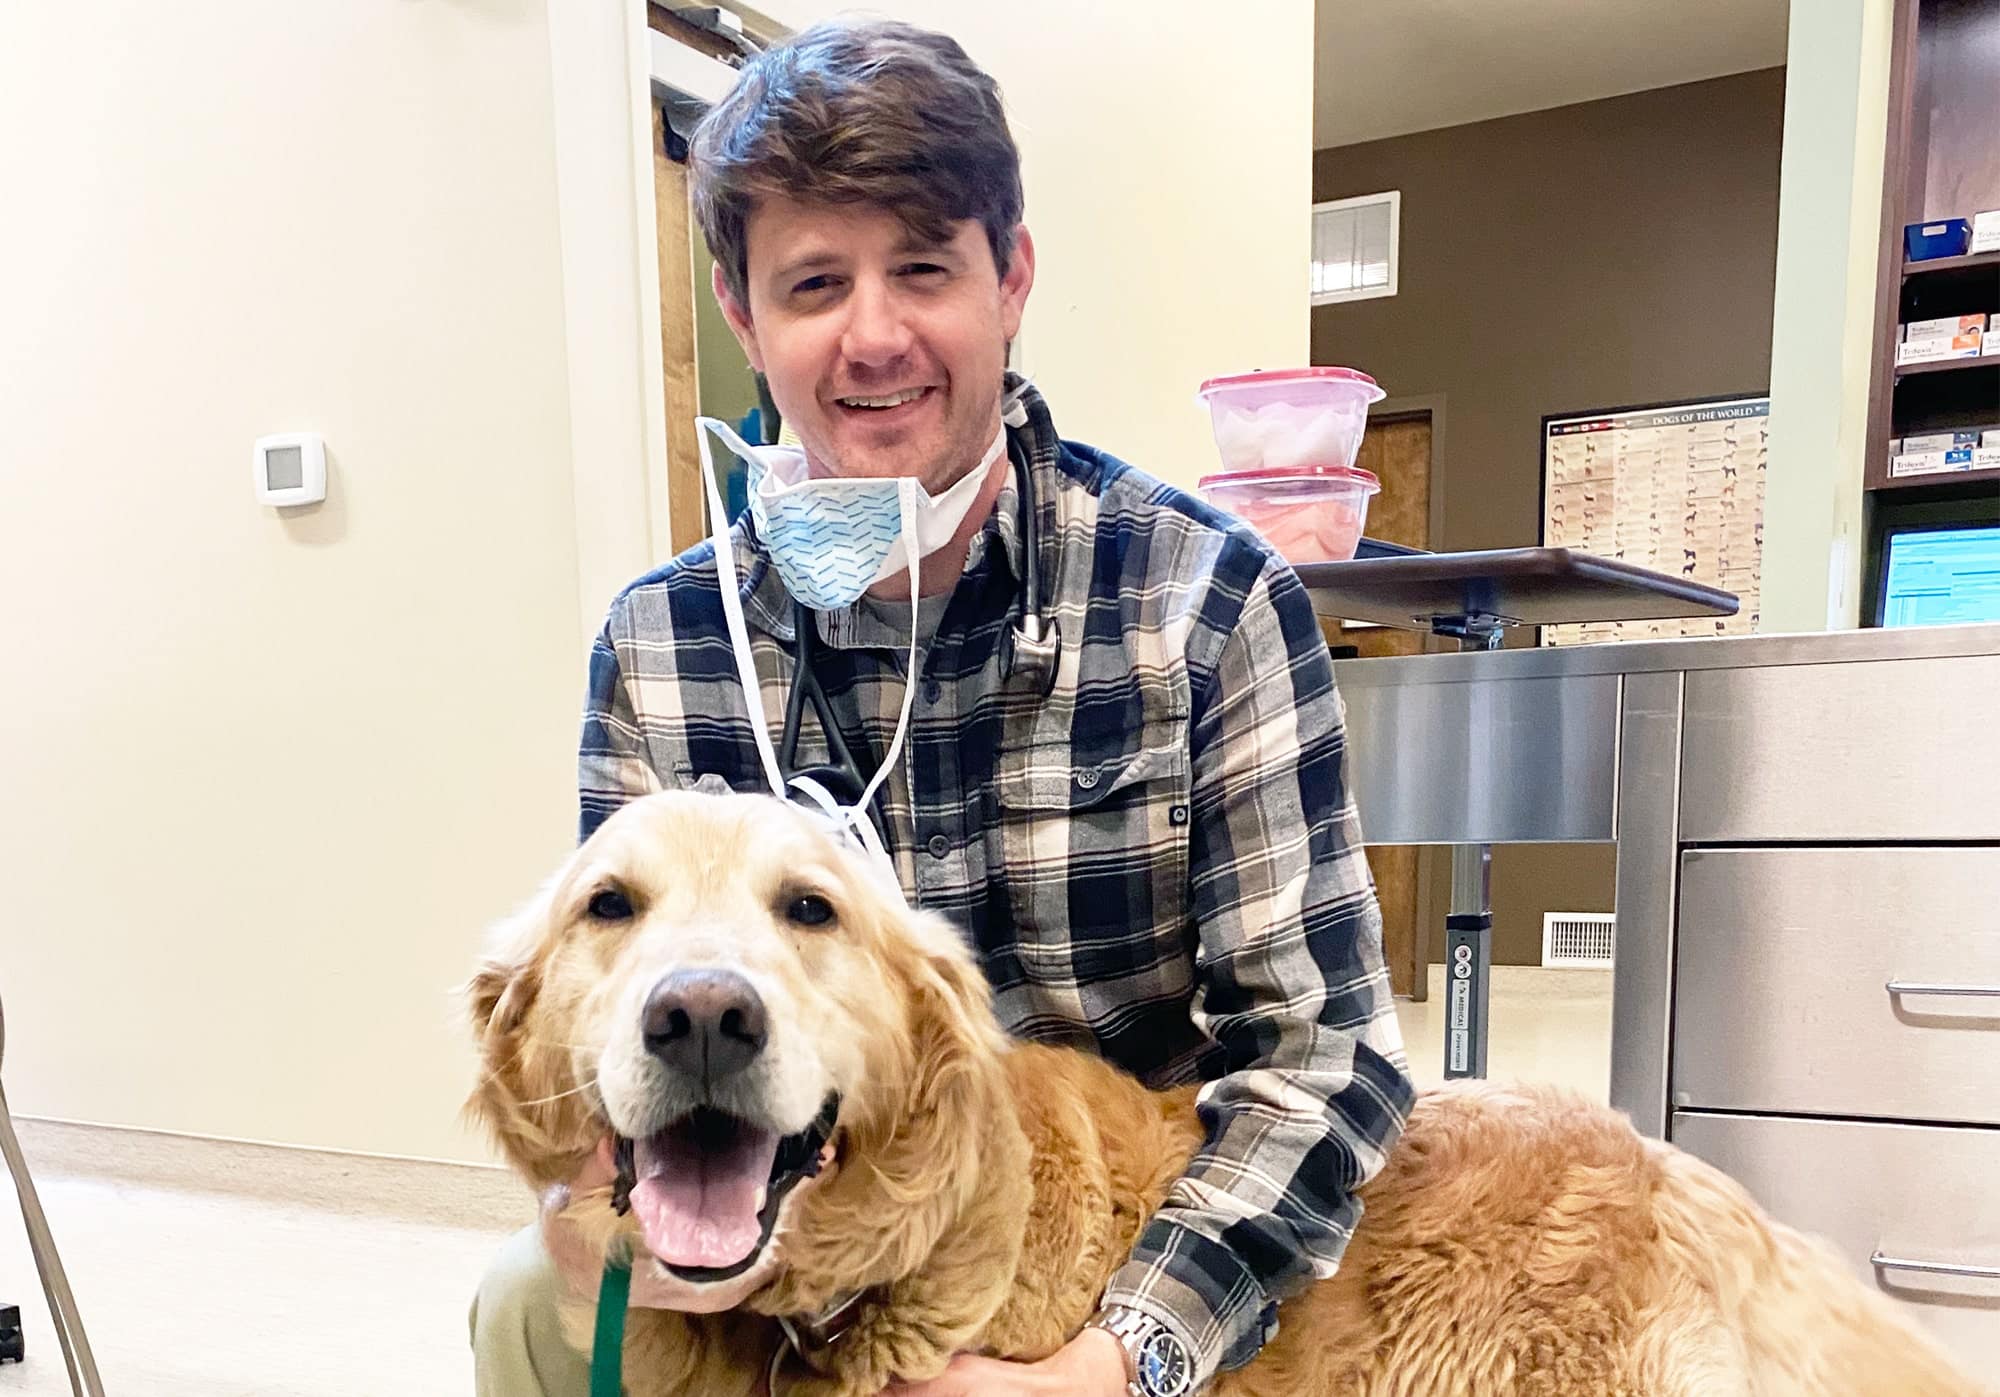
column 923, row 269
column 812, row 284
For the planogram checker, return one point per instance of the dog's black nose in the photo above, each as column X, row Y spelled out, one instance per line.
column 707, row 1024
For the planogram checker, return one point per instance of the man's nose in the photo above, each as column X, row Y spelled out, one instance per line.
column 877, row 333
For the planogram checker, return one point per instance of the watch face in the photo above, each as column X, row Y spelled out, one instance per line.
column 1165, row 1370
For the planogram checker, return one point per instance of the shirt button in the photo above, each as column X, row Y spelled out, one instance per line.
column 1087, row 778
column 939, row 846
column 933, row 691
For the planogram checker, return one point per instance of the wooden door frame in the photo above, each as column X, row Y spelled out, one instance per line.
column 673, row 239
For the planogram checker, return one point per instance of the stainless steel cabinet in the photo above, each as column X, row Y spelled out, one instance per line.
column 1801, row 820
column 1912, row 1209
column 1905, row 750
column 1840, row 981
column 1835, row 1005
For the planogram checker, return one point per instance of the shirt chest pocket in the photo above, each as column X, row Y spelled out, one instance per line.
column 1094, row 850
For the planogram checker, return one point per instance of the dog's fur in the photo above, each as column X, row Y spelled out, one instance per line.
column 1518, row 1241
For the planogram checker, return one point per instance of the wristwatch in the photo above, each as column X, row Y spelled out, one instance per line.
column 1157, row 1363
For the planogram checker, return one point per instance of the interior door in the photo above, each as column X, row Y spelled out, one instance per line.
column 1398, row 450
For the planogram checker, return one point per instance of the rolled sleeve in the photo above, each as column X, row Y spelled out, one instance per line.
column 1292, row 985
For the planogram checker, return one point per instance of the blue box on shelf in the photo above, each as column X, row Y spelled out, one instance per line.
column 1942, row 237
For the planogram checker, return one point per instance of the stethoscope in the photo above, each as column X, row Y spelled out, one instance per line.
column 1031, row 652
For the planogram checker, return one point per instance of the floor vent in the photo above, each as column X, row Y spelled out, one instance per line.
column 1578, row 939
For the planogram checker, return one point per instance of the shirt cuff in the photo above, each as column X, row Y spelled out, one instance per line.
column 1197, row 1288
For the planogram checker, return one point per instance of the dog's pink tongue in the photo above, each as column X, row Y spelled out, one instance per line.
column 699, row 1190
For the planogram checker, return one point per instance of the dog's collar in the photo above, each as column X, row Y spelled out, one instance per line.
column 814, row 1334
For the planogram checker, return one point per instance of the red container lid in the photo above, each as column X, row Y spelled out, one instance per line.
column 1285, row 376
column 1367, row 479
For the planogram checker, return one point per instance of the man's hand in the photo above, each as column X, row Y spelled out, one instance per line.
column 1090, row 1365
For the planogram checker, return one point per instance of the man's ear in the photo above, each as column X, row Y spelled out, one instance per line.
column 1017, row 283
column 738, row 316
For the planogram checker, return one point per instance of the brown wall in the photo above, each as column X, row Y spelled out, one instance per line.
column 1592, row 256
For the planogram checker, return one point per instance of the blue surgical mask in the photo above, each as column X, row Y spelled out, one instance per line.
column 864, row 507
column 832, row 538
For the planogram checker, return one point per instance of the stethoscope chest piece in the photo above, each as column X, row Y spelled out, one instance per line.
column 1034, row 651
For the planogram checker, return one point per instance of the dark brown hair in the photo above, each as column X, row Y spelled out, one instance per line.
column 849, row 112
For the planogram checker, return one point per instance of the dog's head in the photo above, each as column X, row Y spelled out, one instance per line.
column 779, row 1044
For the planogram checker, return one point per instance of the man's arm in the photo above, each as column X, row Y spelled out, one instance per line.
column 1292, row 986
column 611, row 765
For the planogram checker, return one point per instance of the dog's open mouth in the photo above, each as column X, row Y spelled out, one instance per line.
column 707, row 1189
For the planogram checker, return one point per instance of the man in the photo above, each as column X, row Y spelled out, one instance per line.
column 1122, row 776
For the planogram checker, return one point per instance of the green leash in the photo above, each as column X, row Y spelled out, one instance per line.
column 607, row 1348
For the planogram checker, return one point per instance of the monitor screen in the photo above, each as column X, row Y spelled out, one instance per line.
column 1941, row 576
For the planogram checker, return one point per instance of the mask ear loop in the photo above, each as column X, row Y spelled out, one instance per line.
column 732, row 603
column 1014, row 412
column 851, row 824
column 853, row 818
column 856, row 815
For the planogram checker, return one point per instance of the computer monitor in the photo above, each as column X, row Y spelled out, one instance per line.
column 1939, row 575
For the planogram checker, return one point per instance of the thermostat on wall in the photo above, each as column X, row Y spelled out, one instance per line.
column 290, row 468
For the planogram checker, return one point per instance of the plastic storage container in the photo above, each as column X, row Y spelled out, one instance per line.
column 1288, row 439
column 1944, row 237
column 1310, row 514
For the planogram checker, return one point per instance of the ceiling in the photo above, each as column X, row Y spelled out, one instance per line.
column 1389, row 67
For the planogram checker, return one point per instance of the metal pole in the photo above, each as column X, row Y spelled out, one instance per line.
column 1468, row 955
column 77, row 1357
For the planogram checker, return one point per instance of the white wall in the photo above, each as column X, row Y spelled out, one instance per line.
column 611, row 294
column 1167, row 152
column 266, row 778
column 1823, row 322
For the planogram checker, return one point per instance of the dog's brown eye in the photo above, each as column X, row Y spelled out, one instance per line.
column 610, row 905
column 809, row 910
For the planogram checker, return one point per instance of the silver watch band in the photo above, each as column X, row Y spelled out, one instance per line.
column 1157, row 1362
column 1122, row 1325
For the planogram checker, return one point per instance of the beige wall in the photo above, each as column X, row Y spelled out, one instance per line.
column 266, row 776
column 1512, row 307
column 1167, row 153
column 1823, row 336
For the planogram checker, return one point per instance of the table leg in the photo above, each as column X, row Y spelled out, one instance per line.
column 1468, row 956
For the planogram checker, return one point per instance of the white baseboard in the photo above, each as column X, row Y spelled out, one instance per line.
column 442, row 1192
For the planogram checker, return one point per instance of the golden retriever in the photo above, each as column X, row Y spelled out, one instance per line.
column 814, row 1100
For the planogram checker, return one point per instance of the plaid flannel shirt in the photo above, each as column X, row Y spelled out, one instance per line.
column 1157, row 861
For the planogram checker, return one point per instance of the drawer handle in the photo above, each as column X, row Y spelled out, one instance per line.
column 1934, row 1268
column 1918, row 987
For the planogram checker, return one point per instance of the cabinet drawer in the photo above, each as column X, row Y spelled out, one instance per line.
column 1912, row 1193
column 1782, row 965
column 1898, row 749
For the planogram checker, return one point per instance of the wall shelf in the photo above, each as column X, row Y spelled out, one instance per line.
column 1940, row 483
column 1941, row 160
column 1933, row 366
column 1952, row 264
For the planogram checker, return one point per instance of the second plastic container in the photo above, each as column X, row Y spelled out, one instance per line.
column 1288, row 439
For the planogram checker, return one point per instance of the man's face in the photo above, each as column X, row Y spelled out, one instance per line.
column 883, row 352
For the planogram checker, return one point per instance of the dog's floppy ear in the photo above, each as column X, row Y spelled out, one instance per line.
column 526, row 1095
column 498, row 995
column 924, row 1158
